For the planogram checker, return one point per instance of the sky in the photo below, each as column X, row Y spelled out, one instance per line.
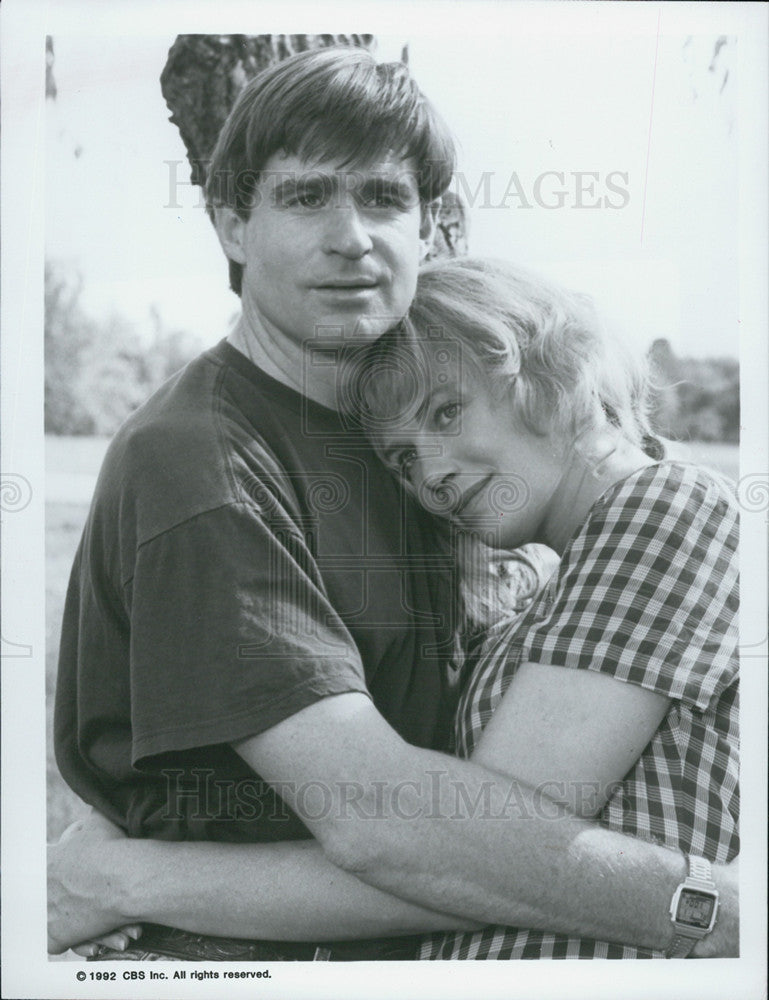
column 607, row 162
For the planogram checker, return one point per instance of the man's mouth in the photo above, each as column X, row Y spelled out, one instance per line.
column 348, row 284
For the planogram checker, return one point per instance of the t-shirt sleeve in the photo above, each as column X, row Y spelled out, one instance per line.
column 231, row 632
column 648, row 590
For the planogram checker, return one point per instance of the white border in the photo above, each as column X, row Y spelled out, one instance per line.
column 26, row 971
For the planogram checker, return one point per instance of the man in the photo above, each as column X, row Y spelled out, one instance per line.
column 255, row 618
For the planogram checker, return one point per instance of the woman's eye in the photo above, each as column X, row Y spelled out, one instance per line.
column 310, row 199
column 447, row 414
column 405, row 460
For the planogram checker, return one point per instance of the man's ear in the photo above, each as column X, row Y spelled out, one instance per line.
column 428, row 225
column 231, row 230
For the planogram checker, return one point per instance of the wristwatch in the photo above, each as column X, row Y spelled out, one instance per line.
column 694, row 908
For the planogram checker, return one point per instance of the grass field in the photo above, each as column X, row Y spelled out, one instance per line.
column 64, row 524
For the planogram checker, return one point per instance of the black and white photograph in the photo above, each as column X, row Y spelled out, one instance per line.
column 385, row 491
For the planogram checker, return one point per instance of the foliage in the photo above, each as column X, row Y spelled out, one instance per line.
column 96, row 374
column 697, row 399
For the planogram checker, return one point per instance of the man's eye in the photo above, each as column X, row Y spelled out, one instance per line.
column 378, row 200
column 381, row 195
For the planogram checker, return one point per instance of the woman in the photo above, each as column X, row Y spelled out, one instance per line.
column 538, row 434
column 503, row 406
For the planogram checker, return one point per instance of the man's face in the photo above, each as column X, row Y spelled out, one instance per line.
column 329, row 247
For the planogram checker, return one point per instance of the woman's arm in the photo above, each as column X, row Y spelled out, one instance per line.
column 571, row 733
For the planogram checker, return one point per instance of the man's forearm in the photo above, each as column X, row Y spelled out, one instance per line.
column 279, row 891
column 287, row 891
column 496, row 851
column 457, row 838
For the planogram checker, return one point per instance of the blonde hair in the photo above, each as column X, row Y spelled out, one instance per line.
column 521, row 332
column 547, row 346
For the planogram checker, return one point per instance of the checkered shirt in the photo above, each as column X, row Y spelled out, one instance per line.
column 647, row 592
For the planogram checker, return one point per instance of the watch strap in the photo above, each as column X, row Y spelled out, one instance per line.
column 700, row 877
column 700, row 871
column 681, row 947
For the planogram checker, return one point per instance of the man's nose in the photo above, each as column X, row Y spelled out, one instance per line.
column 346, row 232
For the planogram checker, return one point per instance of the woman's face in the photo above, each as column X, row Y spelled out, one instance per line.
column 468, row 458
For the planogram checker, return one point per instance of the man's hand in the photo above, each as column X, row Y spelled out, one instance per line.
column 77, row 888
column 115, row 941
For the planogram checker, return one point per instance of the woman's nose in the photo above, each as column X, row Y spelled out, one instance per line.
column 435, row 481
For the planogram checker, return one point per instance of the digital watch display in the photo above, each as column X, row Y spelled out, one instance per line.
column 694, row 908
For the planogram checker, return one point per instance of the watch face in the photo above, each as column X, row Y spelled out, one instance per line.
column 695, row 909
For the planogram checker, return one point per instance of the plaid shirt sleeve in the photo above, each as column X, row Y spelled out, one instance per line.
column 647, row 589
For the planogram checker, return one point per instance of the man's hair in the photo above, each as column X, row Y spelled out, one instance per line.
column 334, row 104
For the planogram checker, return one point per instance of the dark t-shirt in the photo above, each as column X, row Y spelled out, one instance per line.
column 245, row 556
